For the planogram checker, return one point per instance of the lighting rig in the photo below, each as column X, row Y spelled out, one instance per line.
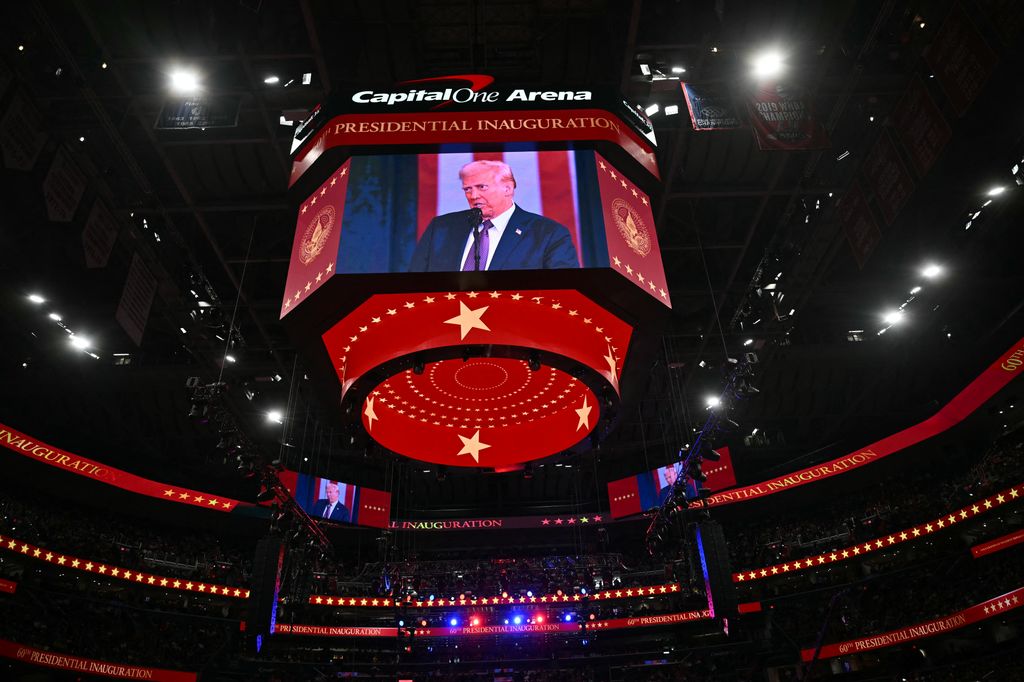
column 688, row 485
column 285, row 506
column 208, row 404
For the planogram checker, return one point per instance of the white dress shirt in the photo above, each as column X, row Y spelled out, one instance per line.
column 498, row 224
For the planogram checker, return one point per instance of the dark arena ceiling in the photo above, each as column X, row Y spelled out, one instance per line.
column 209, row 213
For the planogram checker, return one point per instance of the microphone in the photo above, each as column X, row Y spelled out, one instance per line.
column 476, row 216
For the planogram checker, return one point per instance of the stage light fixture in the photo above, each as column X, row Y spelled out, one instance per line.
column 678, row 69
column 538, row 619
column 931, row 271
column 893, row 317
column 275, row 416
column 517, row 620
column 272, row 80
column 475, row 622
column 418, row 365
column 652, row 109
column 54, row 316
column 712, row 401
column 36, row 298
column 768, row 64
column 80, row 342
column 184, row 81
column 567, row 618
column 534, row 362
column 713, row 455
column 996, row 191
column 454, row 622
column 672, row 110
column 231, row 358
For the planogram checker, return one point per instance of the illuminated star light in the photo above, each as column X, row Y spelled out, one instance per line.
column 472, row 446
column 469, row 319
column 584, row 415
column 370, row 414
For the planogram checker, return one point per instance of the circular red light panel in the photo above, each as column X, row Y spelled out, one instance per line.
column 482, row 412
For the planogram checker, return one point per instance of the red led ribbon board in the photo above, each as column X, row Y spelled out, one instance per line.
column 954, row 621
column 20, row 443
column 487, row 412
column 52, row 659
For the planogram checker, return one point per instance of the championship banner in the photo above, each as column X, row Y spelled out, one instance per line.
column 365, row 130
column 711, row 106
column 921, row 127
column 888, row 178
column 782, row 117
column 961, row 59
column 997, row 545
column 63, row 187
column 49, row 659
column 858, row 223
column 974, row 614
column 136, row 299
column 99, row 235
column 22, row 444
column 991, row 381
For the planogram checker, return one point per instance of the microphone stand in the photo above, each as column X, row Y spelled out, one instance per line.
column 476, row 248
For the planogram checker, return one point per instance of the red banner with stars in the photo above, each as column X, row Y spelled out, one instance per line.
column 999, row 544
column 113, row 571
column 979, row 612
column 317, row 239
column 629, row 228
column 22, row 444
column 485, row 412
column 88, row 666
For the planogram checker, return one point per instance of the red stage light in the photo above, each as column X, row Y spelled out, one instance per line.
column 474, row 621
column 539, row 618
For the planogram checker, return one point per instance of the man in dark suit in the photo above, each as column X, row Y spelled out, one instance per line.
column 508, row 238
column 331, row 508
column 671, row 474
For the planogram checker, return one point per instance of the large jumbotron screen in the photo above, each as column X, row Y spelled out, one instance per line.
column 412, row 213
column 327, row 499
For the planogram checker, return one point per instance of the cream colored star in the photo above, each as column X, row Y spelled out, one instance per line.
column 472, row 446
column 584, row 414
column 468, row 319
column 370, row 414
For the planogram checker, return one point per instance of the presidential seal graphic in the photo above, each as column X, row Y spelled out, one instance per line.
column 631, row 227
column 317, row 232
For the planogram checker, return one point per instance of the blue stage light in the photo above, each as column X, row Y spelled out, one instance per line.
column 568, row 618
column 517, row 620
column 454, row 622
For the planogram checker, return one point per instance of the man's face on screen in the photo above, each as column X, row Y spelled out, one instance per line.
column 332, row 493
column 486, row 192
column 670, row 475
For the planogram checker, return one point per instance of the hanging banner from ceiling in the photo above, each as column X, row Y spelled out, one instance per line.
column 858, row 223
column 22, row 444
column 961, row 59
column 989, row 608
column 63, row 187
column 995, row 377
column 711, row 106
column 99, row 235
column 183, row 113
column 920, row 127
column 136, row 299
column 782, row 116
column 21, row 134
column 888, row 178
column 51, row 659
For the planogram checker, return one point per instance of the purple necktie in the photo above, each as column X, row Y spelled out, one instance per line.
column 484, row 240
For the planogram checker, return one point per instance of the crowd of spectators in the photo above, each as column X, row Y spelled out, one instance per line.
column 888, row 505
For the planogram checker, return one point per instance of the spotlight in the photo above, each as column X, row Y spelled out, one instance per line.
column 768, row 64
column 748, row 342
column 529, row 593
column 652, row 109
column 893, row 317
column 672, row 110
column 475, row 622
column 996, row 191
column 517, row 620
column 538, row 618
column 231, row 358
column 36, row 298
column 712, row 401
column 275, row 416
column 271, row 80
column 930, row 271
column 80, row 342
column 568, row 618
column 454, row 622
column 184, row 82
column 54, row 316
column 678, row 69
